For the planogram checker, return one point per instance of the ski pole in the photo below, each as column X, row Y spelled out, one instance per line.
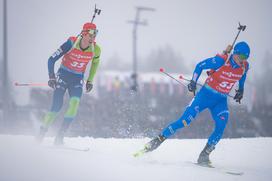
column 201, row 85
column 162, row 70
column 181, row 77
column 30, row 84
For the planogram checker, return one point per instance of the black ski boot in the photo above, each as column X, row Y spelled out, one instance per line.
column 40, row 136
column 154, row 143
column 62, row 131
column 203, row 158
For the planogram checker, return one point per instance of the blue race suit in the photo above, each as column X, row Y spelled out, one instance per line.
column 209, row 98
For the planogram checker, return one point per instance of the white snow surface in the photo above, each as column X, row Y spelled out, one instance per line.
column 21, row 159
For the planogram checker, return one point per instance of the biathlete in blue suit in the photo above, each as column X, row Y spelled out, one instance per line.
column 213, row 96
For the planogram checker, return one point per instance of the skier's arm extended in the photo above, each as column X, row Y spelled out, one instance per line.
column 95, row 63
column 64, row 48
column 210, row 63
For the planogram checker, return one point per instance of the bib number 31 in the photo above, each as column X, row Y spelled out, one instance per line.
column 226, row 85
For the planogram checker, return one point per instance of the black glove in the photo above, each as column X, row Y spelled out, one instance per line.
column 238, row 96
column 52, row 81
column 192, row 86
column 89, row 86
column 210, row 72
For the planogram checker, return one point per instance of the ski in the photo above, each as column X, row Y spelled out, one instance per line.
column 86, row 149
column 221, row 169
column 140, row 152
column 150, row 146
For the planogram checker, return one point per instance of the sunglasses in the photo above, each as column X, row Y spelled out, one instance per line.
column 242, row 56
column 91, row 32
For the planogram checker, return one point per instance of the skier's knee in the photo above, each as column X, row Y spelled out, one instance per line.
column 73, row 107
column 184, row 123
column 223, row 116
column 185, row 120
column 49, row 118
column 190, row 113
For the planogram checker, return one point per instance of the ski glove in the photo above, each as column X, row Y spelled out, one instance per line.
column 89, row 86
column 238, row 96
column 52, row 81
column 210, row 72
column 228, row 49
column 192, row 86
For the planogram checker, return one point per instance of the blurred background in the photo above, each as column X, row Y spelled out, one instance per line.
column 137, row 37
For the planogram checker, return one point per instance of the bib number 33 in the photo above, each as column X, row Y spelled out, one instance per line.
column 78, row 64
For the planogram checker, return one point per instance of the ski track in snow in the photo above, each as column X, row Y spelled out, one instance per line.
column 111, row 160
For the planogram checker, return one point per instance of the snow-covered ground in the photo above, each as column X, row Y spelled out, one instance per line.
column 111, row 160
